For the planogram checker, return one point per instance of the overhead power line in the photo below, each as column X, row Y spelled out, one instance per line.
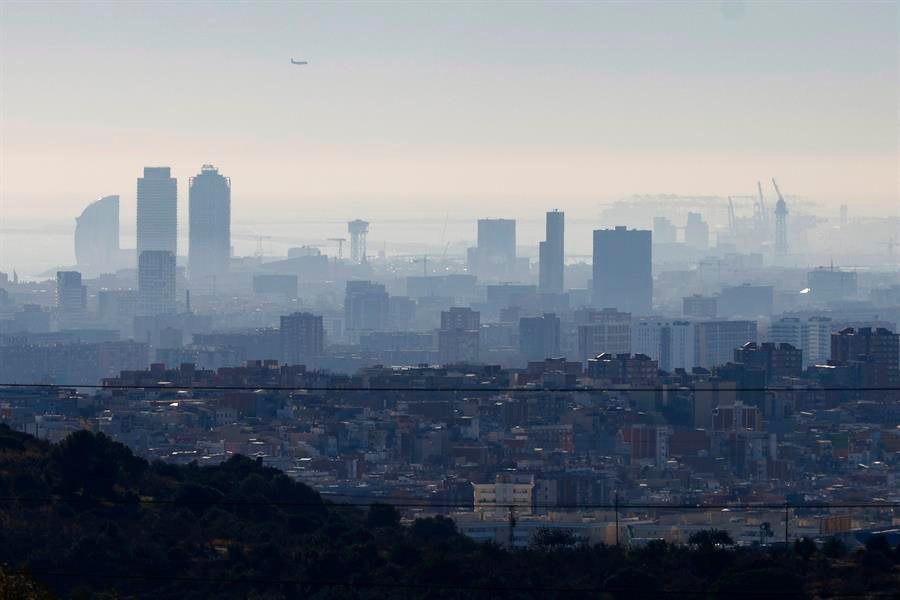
column 307, row 388
column 362, row 501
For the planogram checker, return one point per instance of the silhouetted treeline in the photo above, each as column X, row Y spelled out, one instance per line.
column 87, row 518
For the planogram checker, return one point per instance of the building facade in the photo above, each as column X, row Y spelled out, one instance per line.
column 302, row 337
column 97, row 236
column 157, row 211
column 715, row 341
column 623, row 276
column 551, row 253
column 156, row 283
column 539, row 337
column 209, row 244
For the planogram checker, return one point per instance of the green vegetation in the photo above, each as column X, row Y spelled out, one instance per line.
column 121, row 527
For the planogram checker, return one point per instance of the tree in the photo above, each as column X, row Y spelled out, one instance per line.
column 93, row 464
column 382, row 515
column 708, row 539
column 760, row 583
column 21, row 585
column 631, row 583
column 834, row 548
column 879, row 543
column 433, row 529
column 546, row 538
column 804, row 548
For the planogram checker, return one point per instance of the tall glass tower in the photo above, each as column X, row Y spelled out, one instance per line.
column 157, row 211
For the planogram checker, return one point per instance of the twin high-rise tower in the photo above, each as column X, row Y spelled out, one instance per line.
column 157, row 211
column 209, row 249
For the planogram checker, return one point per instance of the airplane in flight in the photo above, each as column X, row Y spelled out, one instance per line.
column 299, row 62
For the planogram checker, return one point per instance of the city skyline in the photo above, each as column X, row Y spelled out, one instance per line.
column 449, row 299
column 726, row 128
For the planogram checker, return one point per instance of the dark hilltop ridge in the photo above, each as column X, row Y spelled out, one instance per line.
column 86, row 518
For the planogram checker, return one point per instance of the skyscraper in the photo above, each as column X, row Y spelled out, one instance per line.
column 781, row 213
column 623, row 277
column 817, row 340
column 97, row 236
column 539, row 337
column 458, row 337
column 71, row 295
column 156, row 283
column 157, row 211
column 302, row 337
column 209, row 249
column 495, row 254
column 366, row 307
column 552, row 254
column 696, row 231
column 664, row 231
column 668, row 341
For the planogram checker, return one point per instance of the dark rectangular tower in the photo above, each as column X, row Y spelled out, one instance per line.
column 623, row 277
column 552, row 254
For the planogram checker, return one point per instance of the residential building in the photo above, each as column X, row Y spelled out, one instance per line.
column 71, row 295
column 715, row 341
column 539, row 337
column 302, row 338
column 701, row 307
column 607, row 330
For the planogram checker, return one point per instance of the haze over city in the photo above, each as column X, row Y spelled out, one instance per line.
column 423, row 110
column 449, row 299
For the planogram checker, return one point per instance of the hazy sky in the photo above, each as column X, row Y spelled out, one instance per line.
column 430, row 101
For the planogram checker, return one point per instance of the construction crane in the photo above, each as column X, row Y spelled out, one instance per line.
column 731, row 219
column 259, row 245
column 424, row 261
column 763, row 213
column 777, row 191
column 340, row 243
column 781, row 212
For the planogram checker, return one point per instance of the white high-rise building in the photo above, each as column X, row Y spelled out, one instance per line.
column 787, row 330
column 817, row 341
column 670, row 343
column 157, row 211
column 813, row 336
column 607, row 331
